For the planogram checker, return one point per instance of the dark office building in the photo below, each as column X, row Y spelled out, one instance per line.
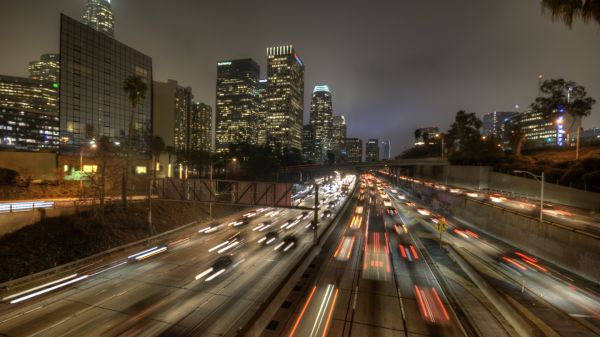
column 285, row 98
column 93, row 68
column 28, row 130
column 237, row 104
column 372, row 150
column 353, row 150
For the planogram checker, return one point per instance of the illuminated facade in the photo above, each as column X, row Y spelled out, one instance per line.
column 237, row 105
column 494, row 123
column 93, row 68
column 99, row 16
column 262, row 112
column 541, row 131
column 285, row 98
column 28, row 94
column 353, row 150
column 46, row 68
column 321, row 115
column 338, row 134
column 28, row 130
column 386, row 149
column 372, row 150
column 182, row 100
column 308, row 142
column 201, row 127
column 426, row 136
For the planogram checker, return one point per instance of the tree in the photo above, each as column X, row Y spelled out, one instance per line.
column 560, row 96
column 517, row 137
column 135, row 88
column 568, row 10
column 463, row 132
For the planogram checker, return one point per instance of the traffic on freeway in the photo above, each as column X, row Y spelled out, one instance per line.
column 205, row 284
column 564, row 302
column 562, row 214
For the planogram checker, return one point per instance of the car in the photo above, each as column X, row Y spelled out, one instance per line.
column 287, row 243
column 387, row 203
column 327, row 213
column 211, row 228
column 269, row 238
column 239, row 222
column 220, row 266
column 391, row 211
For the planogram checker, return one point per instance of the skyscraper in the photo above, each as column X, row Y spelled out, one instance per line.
column 493, row 122
column 23, row 130
column 285, row 98
column 262, row 112
column 386, row 150
column 99, row 16
column 372, row 150
column 46, row 68
column 183, row 105
column 353, row 150
column 93, row 68
column 237, row 104
column 308, row 142
column 321, row 114
column 201, row 127
column 338, row 134
column 28, row 94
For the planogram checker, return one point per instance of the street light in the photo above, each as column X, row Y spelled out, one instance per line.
column 441, row 135
column 81, row 147
column 539, row 178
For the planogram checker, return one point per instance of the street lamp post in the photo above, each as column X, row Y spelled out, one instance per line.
column 539, row 178
column 441, row 135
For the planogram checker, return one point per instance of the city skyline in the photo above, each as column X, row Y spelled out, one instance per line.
column 420, row 86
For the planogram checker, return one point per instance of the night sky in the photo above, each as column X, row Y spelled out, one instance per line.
column 392, row 66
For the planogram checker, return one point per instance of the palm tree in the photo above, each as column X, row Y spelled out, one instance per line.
column 135, row 88
column 568, row 10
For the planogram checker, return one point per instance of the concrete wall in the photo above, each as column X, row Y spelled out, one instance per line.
column 11, row 222
column 37, row 165
column 570, row 249
column 482, row 177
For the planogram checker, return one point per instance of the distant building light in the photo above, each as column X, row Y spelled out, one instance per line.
column 140, row 170
column 224, row 64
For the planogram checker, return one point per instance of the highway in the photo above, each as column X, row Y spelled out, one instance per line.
column 564, row 302
column 176, row 289
column 364, row 286
column 571, row 216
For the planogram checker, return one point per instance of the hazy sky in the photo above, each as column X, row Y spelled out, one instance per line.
column 392, row 66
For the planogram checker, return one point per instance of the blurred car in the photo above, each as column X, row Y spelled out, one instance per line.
column 269, row 238
column 211, row 228
column 327, row 213
column 219, row 267
column 287, row 243
column 239, row 222
column 391, row 211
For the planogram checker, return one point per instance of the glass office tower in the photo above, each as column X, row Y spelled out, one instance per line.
column 93, row 68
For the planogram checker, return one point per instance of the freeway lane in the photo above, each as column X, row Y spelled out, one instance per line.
column 564, row 302
column 365, row 288
column 566, row 215
column 160, row 295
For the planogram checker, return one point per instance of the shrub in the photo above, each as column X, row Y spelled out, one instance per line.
column 591, row 164
column 572, row 175
column 8, row 177
column 592, row 178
